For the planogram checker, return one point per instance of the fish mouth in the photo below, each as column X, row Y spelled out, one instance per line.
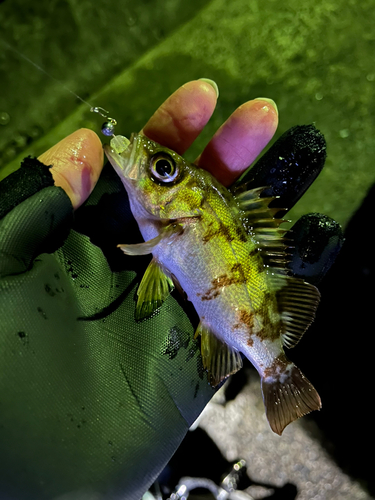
column 122, row 154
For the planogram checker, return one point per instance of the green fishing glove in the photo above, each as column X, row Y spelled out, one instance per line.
column 90, row 399
column 92, row 403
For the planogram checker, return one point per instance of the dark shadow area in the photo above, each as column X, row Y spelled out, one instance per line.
column 107, row 220
column 342, row 367
column 238, row 381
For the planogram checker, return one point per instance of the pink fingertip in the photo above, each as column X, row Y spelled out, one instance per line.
column 268, row 101
column 239, row 141
column 77, row 161
column 181, row 118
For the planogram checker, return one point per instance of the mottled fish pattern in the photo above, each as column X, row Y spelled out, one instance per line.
column 227, row 252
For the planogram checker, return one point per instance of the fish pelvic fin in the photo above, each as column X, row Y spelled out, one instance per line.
column 287, row 396
column 219, row 359
column 152, row 291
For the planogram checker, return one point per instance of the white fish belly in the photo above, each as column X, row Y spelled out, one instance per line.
column 226, row 310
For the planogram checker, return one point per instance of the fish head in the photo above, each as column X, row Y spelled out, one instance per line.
column 158, row 180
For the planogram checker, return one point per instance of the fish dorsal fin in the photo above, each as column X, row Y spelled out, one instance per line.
column 297, row 302
column 260, row 221
column 297, row 299
column 218, row 358
column 152, row 291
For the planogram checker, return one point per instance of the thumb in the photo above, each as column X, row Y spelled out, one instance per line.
column 38, row 219
column 77, row 161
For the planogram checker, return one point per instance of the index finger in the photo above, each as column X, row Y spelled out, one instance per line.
column 182, row 117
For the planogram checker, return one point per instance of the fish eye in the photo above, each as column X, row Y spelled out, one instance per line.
column 163, row 168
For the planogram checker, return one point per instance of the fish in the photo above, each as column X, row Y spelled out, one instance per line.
column 225, row 249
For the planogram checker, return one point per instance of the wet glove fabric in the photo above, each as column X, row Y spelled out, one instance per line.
column 92, row 403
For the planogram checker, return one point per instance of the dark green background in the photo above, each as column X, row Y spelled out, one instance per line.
column 315, row 60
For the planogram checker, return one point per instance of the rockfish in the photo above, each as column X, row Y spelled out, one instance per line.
column 227, row 252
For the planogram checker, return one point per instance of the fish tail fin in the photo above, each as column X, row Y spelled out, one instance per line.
column 288, row 395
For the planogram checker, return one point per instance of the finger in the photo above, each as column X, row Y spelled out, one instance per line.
column 76, row 163
column 181, row 118
column 289, row 166
column 317, row 240
column 35, row 216
column 240, row 139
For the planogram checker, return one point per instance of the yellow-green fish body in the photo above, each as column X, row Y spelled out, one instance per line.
column 227, row 253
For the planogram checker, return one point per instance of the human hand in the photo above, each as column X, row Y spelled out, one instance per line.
column 91, row 402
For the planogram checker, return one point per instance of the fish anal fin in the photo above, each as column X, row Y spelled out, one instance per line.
column 297, row 302
column 288, row 397
column 153, row 289
column 218, row 358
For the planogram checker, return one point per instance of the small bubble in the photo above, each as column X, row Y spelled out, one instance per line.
column 131, row 19
column 344, row 133
column 19, row 141
column 318, row 96
column 4, row 118
column 9, row 154
column 158, row 34
column 370, row 77
column 35, row 132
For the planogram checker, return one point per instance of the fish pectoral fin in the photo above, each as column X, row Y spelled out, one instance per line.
column 298, row 302
column 287, row 397
column 218, row 358
column 152, row 291
column 166, row 233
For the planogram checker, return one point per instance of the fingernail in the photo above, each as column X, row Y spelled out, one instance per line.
column 212, row 83
column 270, row 101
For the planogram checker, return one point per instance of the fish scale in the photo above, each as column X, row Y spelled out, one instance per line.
column 226, row 251
column 218, row 277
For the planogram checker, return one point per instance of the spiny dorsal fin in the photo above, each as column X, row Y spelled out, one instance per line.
column 152, row 291
column 297, row 299
column 297, row 302
column 264, row 228
column 218, row 358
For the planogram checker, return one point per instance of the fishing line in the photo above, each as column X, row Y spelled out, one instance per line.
column 108, row 127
